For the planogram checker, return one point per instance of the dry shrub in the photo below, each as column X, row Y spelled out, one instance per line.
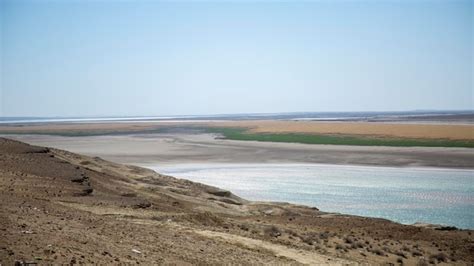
column 207, row 219
column 324, row 235
column 400, row 254
column 348, row 240
column 244, row 227
column 340, row 247
column 422, row 262
column 378, row 252
column 292, row 233
column 440, row 257
column 129, row 195
column 405, row 248
column 357, row 245
column 272, row 231
column 311, row 238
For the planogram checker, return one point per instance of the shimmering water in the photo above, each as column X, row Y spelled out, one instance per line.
column 405, row 195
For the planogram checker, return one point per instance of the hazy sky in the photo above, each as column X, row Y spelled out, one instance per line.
column 93, row 58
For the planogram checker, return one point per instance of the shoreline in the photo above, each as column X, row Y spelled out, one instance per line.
column 222, row 174
column 285, row 163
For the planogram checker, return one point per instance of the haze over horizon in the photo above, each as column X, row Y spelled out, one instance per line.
column 292, row 115
column 199, row 58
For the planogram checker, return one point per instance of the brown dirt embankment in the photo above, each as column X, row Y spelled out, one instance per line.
column 59, row 207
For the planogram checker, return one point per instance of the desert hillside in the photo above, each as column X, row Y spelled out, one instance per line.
column 60, row 207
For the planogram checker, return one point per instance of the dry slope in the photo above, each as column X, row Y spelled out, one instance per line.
column 60, row 207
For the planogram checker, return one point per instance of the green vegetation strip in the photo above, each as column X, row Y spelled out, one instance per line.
column 244, row 134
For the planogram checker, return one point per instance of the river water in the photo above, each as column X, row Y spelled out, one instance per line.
column 405, row 195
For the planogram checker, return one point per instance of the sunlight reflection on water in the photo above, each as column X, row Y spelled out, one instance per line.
column 405, row 195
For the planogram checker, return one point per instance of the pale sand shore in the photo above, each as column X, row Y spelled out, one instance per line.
column 196, row 148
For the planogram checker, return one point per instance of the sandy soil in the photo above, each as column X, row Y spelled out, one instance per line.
column 196, row 148
column 60, row 207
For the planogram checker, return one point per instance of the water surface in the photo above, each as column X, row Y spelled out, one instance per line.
column 405, row 195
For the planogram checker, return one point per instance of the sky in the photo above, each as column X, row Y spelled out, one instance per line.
column 128, row 58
